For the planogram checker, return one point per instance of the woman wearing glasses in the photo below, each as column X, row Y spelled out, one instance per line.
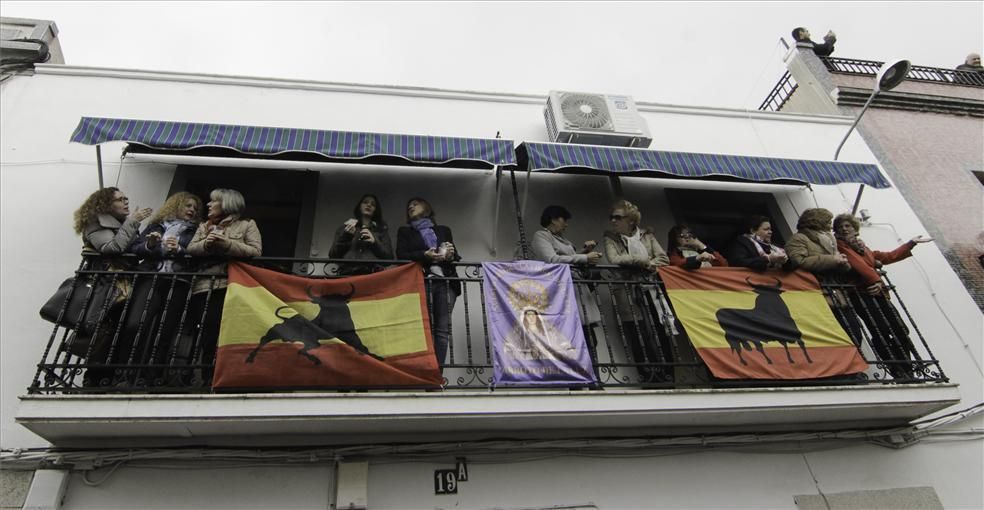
column 107, row 227
column 636, row 249
column 689, row 252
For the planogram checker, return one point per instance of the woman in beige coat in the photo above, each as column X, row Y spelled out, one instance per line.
column 636, row 249
column 225, row 234
column 814, row 249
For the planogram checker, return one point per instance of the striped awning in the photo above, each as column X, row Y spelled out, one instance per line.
column 548, row 157
column 253, row 141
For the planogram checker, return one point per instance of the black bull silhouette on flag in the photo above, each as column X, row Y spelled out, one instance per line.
column 334, row 320
column 768, row 321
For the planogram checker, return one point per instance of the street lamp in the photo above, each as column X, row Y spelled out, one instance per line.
column 891, row 74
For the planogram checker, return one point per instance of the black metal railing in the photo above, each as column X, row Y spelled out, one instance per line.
column 786, row 86
column 780, row 94
column 916, row 73
column 155, row 338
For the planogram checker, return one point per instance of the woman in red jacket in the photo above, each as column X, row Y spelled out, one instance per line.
column 890, row 336
column 688, row 252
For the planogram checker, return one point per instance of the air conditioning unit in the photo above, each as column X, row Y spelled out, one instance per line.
column 595, row 119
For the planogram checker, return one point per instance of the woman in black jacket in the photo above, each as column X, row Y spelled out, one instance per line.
column 432, row 246
column 364, row 236
column 754, row 248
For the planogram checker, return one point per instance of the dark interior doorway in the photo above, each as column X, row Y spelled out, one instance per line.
column 718, row 216
column 281, row 202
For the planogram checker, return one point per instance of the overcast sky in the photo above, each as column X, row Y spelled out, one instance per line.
column 691, row 53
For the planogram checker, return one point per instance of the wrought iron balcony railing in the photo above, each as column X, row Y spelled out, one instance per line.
column 916, row 73
column 786, row 86
column 152, row 342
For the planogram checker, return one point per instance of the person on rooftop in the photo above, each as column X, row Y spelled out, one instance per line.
column 802, row 35
column 972, row 63
column 970, row 72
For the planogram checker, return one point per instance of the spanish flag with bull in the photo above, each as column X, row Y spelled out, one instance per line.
column 281, row 330
column 751, row 325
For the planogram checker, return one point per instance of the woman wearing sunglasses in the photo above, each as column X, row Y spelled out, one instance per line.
column 689, row 252
column 636, row 249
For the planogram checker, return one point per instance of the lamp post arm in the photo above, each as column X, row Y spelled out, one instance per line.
column 856, row 120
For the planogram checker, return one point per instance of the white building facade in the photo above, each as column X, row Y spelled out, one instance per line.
column 871, row 445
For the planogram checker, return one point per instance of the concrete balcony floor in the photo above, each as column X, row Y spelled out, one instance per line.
column 302, row 419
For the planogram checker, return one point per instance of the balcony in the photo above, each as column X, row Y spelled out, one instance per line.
column 157, row 390
column 786, row 86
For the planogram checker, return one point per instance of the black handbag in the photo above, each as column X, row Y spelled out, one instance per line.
column 90, row 297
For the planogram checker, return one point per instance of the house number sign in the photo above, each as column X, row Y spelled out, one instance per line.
column 446, row 480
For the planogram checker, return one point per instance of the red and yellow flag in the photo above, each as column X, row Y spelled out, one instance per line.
column 281, row 330
column 750, row 325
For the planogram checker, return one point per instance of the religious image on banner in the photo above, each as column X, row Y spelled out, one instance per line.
column 754, row 325
column 280, row 330
column 534, row 324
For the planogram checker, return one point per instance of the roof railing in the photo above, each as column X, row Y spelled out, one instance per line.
column 786, row 85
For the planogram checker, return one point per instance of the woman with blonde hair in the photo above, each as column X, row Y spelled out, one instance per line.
column 636, row 249
column 161, row 246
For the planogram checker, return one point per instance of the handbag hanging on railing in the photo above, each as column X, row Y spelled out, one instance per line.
column 89, row 298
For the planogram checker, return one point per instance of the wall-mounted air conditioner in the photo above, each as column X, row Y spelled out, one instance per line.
column 595, row 119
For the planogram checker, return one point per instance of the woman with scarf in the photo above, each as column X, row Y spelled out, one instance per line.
column 364, row 236
column 432, row 246
column 225, row 234
column 754, row 248
column 689, row 252
column 636, row 249
column 814, row 249
column 107, row 227
column 166, row 237
column 890, row 336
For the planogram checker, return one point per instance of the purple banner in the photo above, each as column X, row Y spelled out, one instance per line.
column 535, row 325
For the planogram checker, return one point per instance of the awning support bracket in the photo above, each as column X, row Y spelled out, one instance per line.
column 99, row 165
column 524, row 246
column 495, row 217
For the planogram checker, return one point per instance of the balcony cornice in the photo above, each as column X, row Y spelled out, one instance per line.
column 305, row 419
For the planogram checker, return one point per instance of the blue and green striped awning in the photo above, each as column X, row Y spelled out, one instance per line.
column 547, row 157
column 272, row 141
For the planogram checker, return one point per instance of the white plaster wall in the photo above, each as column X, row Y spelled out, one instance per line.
column 188, row 485
column 752, row 478
column 44, row 178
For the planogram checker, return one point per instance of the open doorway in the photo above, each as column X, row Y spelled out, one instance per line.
column 717, row 216
column 282, row 202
